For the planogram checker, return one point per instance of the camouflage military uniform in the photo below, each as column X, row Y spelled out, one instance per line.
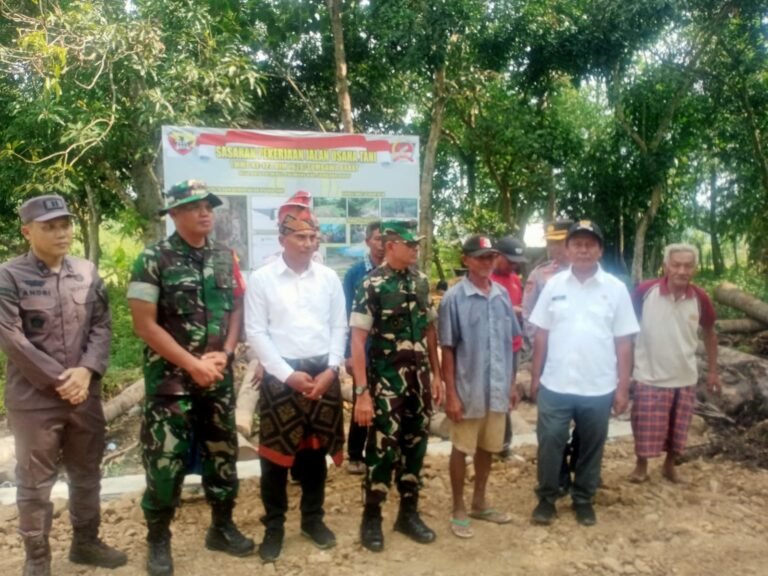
column 194, row 290
column 394, row 306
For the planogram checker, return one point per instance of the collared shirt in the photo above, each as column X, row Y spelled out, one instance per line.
column 665, row 349
column 294, row 316
column 583, row 320
column 50, row 322
column 535, row 283
column 480, row 328
column 511, row 282
column 352, row 279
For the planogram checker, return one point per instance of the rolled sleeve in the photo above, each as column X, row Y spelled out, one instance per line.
column 446, row 332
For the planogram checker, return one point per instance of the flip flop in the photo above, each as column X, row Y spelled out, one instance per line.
column 461, row 528
column 638, row 479
column 491, row 515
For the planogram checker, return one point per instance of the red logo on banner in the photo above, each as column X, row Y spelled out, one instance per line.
column 402, row 151
column 182, row 142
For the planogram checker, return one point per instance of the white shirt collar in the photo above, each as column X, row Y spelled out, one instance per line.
column 598, row 276
column 282, row 268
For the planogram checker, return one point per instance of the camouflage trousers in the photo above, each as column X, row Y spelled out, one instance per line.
column 168, row 426
column 397, row 440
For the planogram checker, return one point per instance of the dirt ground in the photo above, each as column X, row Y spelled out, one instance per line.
column 714, row 526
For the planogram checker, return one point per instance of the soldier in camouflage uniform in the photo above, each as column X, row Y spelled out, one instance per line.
column 185, row 296
column 392, row 310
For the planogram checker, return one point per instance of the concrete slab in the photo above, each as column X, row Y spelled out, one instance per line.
column 119, row 485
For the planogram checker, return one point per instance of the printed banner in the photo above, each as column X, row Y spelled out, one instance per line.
column 353, row 178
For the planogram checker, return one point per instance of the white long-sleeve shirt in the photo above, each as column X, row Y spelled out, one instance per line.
column 294, row 316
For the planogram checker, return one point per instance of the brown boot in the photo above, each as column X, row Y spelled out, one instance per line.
column 38, row 560
column 87, row 548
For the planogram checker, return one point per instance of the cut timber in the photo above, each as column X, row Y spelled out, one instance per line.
column 739, row 326
column 247, row 398
column 731, row 295
column 124, row 401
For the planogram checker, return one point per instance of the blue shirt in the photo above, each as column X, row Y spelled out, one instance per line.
column 480, row 329
column 352, row 278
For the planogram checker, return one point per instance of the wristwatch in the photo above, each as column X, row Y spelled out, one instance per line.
column 360, row 390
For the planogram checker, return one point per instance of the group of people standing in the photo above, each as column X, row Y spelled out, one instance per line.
column 189, row 304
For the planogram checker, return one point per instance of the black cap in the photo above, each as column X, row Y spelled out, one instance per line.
column 512, row 248
column 586, row 227
column 478, row 245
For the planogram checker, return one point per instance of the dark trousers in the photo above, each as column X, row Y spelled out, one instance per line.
column 357, row 435
column 43, row 437
column 311, row 470
column 556, row 411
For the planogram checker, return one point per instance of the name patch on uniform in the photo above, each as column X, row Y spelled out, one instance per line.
column 34, row 282
column 35, row 292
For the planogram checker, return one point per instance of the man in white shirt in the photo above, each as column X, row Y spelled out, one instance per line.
column 585, row 324
column 295, row 321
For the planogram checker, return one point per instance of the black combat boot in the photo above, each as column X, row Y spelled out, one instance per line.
column 223, row 535
column 87, row 548
column 410, row 523
column 159, row 559
column 38, row 556
column 371, row 536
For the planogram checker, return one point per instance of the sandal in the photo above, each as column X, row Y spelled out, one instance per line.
column 491, row 515
column 461, row 528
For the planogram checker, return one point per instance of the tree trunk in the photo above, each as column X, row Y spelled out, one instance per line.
column 438, row 265
column 94, row 224
column 718, row 264
column 428, row 168
column 731, row 295
column 642, row 230
column 124, row 401
column 340, row 56
column 739, row 326
column 149, row 199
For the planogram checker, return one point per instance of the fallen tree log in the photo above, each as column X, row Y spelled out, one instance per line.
column 124, row 401
column 739, row 326
column 731, row 295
